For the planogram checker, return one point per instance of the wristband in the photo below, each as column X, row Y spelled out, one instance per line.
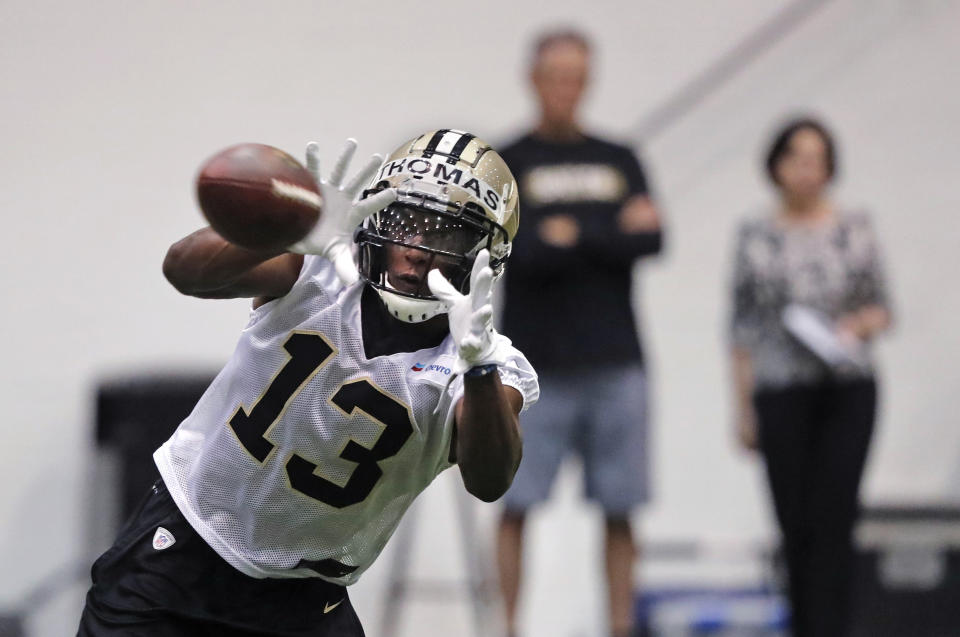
column 481, row 370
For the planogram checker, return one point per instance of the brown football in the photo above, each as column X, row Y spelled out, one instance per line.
column 258, row 197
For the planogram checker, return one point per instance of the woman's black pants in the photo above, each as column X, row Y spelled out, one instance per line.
column 814, row 439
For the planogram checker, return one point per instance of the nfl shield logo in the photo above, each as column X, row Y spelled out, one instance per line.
column 163, row 539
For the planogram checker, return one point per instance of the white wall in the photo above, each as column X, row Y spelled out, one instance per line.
column 108, row 109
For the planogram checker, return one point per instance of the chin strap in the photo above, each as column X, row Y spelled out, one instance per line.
column 406, row 309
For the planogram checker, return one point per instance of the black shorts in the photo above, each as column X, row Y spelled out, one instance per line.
column 188, row 589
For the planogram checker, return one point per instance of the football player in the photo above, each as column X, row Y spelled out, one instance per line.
column 350, row 389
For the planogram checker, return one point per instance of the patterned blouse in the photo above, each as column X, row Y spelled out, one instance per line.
column 834, row 268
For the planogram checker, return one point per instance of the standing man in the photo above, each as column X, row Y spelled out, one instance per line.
column 588, row 216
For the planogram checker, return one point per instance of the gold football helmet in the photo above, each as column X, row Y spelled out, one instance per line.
column 455, row 196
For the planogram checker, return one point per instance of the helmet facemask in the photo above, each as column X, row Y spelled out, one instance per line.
column 424, row 230
column 455, row 197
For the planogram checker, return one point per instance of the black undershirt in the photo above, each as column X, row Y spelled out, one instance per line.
column 384, row 334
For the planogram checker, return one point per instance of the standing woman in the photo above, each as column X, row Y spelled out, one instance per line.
column 811, row 419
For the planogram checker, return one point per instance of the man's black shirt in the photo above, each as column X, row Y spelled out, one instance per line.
column 570, row 307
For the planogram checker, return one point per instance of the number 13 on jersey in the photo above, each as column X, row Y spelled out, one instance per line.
column 309, row 352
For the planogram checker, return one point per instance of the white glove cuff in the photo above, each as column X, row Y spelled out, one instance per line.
column 496, row 354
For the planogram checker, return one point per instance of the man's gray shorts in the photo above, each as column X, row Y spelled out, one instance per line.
column 601, row 413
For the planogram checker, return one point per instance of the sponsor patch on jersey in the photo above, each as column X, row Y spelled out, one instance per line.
column 163, row 539
column 437, row 371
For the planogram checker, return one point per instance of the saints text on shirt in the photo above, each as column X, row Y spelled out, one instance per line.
column 569, row 183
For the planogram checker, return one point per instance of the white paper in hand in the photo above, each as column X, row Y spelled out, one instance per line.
column 817, row 333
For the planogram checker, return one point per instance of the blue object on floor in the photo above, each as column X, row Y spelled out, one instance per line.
column 700, row 612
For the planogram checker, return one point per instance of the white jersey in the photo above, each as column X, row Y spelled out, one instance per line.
column 302, row 455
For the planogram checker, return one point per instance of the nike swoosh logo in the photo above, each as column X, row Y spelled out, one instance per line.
column 329, row 607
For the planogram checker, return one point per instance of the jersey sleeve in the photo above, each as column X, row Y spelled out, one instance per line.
column 316, row 271
column 321, row 271
column 517, row 372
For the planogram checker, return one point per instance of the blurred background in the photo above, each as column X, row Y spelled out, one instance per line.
column 108, row 108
